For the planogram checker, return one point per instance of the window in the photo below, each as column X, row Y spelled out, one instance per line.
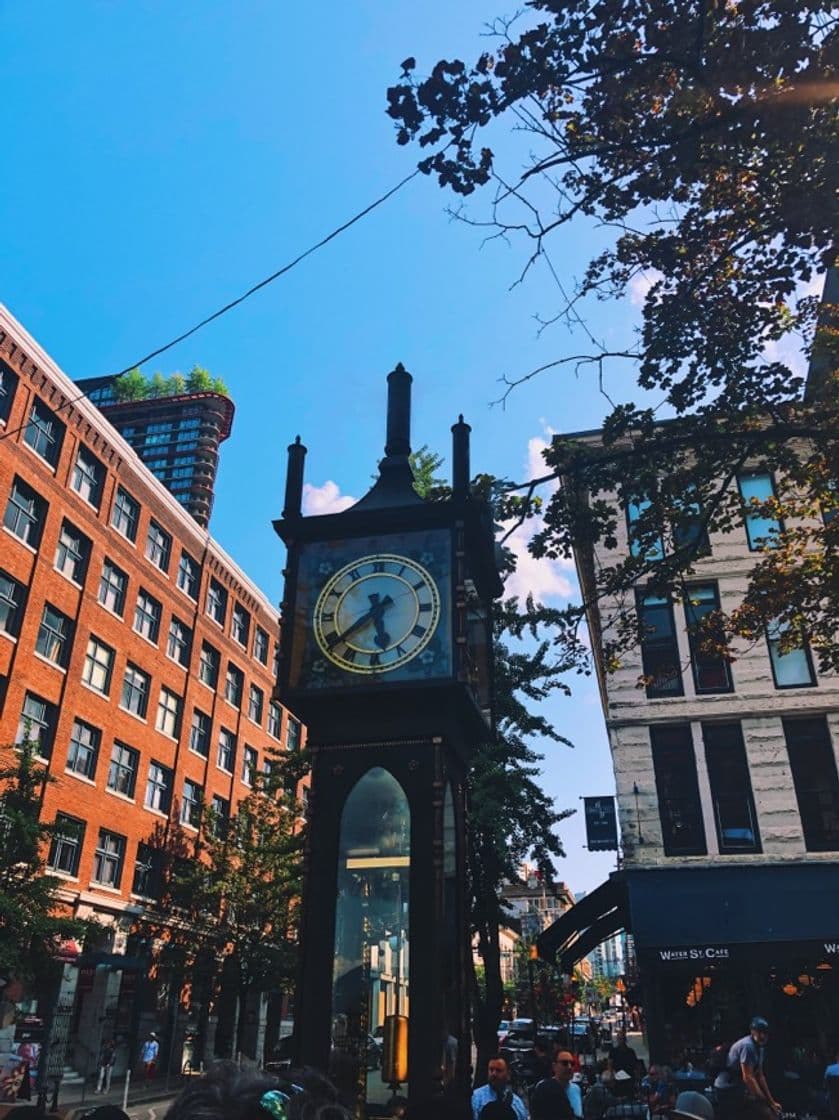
column 66, row 844
column 98, row 665
column 756, row 488
column 816, row 785
column 37, row 724
column 221, row 816
column 240, row 627
column 112, row 587
column 226, row 750
column 275, row 719
column 122, row 775
column 199, row 734
column 12, row 596
column 147, row 616
column 791, row 668
column 659, row 648
column 25, row 513
column 689, row 534
column 88, row 476
column 293, row 734
column 148, row 872
column 55, row 636
column 72, row 553
column 711, row 670
column 126, row 514
column 208, row 665
column 159, row 787
column 731, row 788
column 256, row 700
column 108, row 859
column 84, row 749
column 216, row 601
column 644, row 541
column 234, row 683
column 180, row 641
column 250, row 762
column 8, row 385
column 158, row 546
column 678, row 791
column 44, row 433
column 135, row 691
column 191, row 803
column 260, row 645
column 189, row 575
column 168, row 713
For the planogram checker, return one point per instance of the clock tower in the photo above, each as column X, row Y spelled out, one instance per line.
column 387, row 657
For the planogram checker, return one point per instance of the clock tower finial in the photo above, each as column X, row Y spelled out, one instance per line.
column 395, row 484
column 398, row 412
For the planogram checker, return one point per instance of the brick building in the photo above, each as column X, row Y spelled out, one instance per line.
column 139, row 653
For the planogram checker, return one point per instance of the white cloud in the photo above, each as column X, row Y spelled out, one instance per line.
column 544, row 579
column 325, row 499
column 640, row 284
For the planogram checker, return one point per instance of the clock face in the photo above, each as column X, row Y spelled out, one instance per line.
column 376, row 613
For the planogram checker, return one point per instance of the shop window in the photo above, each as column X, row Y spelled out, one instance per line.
column 814, row 775
column 731, row 788
column 659, row 648
column 679, row 806
column 711, row 670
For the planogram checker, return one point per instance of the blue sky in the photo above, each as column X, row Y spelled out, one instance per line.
column 160, row 158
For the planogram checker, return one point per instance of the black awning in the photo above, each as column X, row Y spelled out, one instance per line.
column 579, row 930
column 749, row 904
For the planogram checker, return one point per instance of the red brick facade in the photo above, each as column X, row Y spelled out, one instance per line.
column 87, row 693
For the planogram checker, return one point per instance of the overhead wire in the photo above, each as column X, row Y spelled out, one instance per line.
column 240, row 299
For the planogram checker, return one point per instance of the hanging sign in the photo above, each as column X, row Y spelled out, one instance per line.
column 601, row 824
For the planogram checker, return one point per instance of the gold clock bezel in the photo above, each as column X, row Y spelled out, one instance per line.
column 336, row 578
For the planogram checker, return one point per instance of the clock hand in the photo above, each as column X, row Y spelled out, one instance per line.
column 375, row 613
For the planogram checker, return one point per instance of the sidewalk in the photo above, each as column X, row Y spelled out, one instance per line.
column 74, row 1099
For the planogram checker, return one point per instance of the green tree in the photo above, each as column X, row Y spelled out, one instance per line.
column 157, row 385
column 132, row 386
column 33, row 920
column 702, row 138
column 199, row 380
column 175, row 385
column 511, row 817
column 236, row 896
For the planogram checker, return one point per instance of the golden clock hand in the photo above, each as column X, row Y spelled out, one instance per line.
column 376, row 611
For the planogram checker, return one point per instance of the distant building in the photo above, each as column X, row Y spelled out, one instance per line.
column 176, row 435
column 535, row 903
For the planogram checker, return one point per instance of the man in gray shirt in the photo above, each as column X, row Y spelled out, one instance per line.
column 741, row 1088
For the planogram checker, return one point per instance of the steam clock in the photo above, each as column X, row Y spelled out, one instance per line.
column 387, row 659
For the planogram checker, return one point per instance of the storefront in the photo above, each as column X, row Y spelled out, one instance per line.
column 718, row 945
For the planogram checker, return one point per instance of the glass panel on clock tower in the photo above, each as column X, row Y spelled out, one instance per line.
column 370, row 997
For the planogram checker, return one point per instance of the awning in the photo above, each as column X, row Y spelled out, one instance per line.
column 596, row 917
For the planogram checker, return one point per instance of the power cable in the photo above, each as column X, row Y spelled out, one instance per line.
column 245, row 295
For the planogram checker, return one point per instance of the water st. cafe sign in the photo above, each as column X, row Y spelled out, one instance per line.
column 723, row 954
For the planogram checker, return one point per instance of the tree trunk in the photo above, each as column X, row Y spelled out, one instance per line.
column 488, row 1008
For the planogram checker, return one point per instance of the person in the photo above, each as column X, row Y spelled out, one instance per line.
column 623, row 1060
column 691, row 1105
column 660, row 1092
column 831, row 1086
column 539, row 1063
column 107, row 1057
column 740, row 1089
column 557, row 1097
column 598, row 1100
column 148, row 1055
column 497, row 1091
column 225, row 1092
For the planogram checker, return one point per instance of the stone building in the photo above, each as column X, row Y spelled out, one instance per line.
column 728, row 801
column 142, row 659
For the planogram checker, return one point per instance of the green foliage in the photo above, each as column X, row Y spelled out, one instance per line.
column 31, row 919
column 425, row 463
column 704, row 136
column 135, row 386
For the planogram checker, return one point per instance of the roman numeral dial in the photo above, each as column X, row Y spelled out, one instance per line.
column 376, row 613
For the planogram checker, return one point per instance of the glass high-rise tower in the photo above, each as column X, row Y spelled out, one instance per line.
column 177, row 436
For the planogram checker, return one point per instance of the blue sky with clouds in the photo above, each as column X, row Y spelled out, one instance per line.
column 160, row 158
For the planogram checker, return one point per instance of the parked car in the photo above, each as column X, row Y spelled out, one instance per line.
column 503, row 1028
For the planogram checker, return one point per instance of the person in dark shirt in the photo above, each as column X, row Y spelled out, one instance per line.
column 551, row 1100
column 623, row 1059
